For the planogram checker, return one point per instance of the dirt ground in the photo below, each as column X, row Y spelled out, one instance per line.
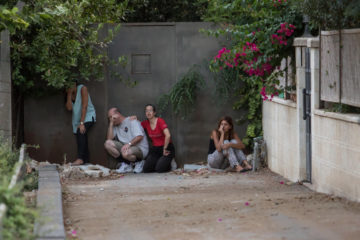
column 260, row 205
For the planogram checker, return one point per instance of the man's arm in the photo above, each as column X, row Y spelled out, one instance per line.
column 136, row 140
column 110, row 131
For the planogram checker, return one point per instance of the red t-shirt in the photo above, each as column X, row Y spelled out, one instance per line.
column 157, row 135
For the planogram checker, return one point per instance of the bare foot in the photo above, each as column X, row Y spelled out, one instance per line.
column 77, row 162
column 247, row 165
column 238, row 168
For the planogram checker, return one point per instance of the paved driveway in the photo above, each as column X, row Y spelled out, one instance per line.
column 259, row 205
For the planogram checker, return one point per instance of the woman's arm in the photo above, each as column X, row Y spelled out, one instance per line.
column 84, row 105
column 218, row 141
column 68, row 104
column 167, row 141
column 237, row 145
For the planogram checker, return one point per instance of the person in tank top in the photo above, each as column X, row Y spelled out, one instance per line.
column 83, row 117
column 225, row 148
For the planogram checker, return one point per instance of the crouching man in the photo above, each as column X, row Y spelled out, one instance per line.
column 126, row 143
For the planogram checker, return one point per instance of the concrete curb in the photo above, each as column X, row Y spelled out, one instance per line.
column 49, row 203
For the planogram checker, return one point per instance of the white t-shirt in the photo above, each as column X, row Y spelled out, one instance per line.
column 128, row 130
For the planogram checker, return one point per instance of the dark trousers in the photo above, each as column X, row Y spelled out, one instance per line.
column 82, row 142
column 156, row 161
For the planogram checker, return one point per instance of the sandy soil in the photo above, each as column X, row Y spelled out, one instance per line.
column 259, row 205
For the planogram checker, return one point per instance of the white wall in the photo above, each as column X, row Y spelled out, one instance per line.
column 336, row 154
column 281, row 136
column 335, row 137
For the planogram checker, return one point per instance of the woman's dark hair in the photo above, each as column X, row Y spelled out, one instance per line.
column 150, row 105
column 230, row 122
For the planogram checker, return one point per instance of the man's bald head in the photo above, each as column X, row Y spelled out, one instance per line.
column 115, row 116
column 113, row 111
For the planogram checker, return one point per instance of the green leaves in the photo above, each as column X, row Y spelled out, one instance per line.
column 19, row 219
column 182, row 95
column 332, row 15
column 11, row 20
column 63, row 43
column 260, row 37
column 165, row 10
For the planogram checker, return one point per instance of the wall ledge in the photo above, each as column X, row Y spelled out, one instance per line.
column 281, row 101
column 336, row 32
column 311, row 42
column 347, row 117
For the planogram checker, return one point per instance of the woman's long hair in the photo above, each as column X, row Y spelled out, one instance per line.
column 231, row 131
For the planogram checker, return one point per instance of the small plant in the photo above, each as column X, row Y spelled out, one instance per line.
column 8, row 159
column 18, row 222
column 182, row 95
column 19, row 219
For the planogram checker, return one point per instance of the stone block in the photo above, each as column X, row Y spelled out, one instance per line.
column 49, row 202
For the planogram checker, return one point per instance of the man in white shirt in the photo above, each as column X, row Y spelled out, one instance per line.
column 126, row 139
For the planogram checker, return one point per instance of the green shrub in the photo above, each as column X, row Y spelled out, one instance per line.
column 332, row 15
column 19, row 219
column 260, row 35
column 18, row 222
column 8, row 159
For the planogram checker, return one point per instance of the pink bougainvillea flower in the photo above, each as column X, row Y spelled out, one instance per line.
column 281, row 182
column 229, row 65
column 219, row 219
column 246, row 204
column 263, row 93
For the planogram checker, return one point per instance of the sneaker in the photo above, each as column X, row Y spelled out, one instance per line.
column 124, row 168
column 139, row 166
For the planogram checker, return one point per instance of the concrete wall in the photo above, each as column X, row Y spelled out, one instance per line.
column 336, row 154
column 158, row 55
column 281, row 136
column 335, row 137
column 5, row 87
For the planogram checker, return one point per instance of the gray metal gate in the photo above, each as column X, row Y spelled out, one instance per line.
column 307, row 112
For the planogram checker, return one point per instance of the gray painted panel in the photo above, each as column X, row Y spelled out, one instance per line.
column 159, row 43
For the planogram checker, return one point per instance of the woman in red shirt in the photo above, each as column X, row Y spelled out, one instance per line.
column 162, row 151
